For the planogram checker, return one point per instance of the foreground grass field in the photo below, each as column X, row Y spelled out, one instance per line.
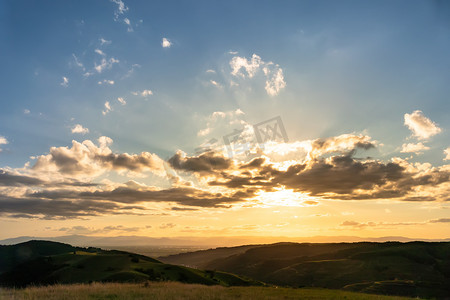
column 174, row 290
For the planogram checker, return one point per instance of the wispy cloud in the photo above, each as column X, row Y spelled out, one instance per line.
column 107, row 108
column 166, row 43
column 65, row 82
column 100, row 52
column 105, row 64
column 104, row 42
column 78, row 62
column 122, row 101
column 210, row 71
column 26, row 111
column 421, row 127
column 105, row 81
column 143, row 93
column 78, row 128
column 120, row 10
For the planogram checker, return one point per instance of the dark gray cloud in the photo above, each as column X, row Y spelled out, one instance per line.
column 208, row 162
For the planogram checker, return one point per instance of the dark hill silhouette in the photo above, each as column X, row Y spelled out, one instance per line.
column 44, row 262
column 410, row 269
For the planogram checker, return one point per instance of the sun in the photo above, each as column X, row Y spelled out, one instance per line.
column 284, row 197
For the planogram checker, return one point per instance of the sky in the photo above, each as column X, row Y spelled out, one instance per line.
column 225, row 118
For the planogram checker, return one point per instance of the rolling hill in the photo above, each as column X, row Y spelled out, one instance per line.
column 393, row 268
column 44, row 262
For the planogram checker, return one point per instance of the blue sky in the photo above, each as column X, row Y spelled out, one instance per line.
column 80, row 70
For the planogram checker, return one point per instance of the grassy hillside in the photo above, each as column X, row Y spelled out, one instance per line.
column 413, row 269
column 173, row 290
column 41, row 263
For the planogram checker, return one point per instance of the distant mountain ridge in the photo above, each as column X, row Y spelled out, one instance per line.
column 101, row 241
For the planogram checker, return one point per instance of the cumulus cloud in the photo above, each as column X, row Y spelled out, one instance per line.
column 447, row 153
column 421, row 127
column 121, row 100
column 88, row 159
column 248, row 68
column 78, row 128
column 65, row 82
column 414, row 148
column 166, row 43
column 108, row 108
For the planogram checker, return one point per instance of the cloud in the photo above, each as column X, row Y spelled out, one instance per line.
column 87, row 159
column 144, row 93
column 108, row 108
column 92, row 230
column 121, row 8
column 100, row 52
column 104, row 42
column 447, row 153
column 26, row 111
column 275, row 81
column 79, row 129
column 78, row 63
column 105, row 64
column 105, row 81
column 414, row 148
column 166, row 43
column 215, row 83
column 121, row 100
column 3, row 141
column 248, row 68
column 210, row 71
column 205, row 163
column 65, row 82
column 421, row 127
column 128, row 23
column 167, row 225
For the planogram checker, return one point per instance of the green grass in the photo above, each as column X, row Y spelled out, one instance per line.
column 174, row 290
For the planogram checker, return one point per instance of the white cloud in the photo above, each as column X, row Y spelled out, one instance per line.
column 65, row 82
column 233, row 52
column 414, row 148
column 144, row 93
column 26, row 111
column 107, row 108
column 131, row 71
column 248, row 68
column 211, row 71
column 98, row 51
column 447, row 153
column 121, row 8
column 105, row 64
column 128, row 23
column 3, row 141
column 421, row 127
column 122, row 101
column 77, row 62
column 166, row 43
column 79, row 129
column 104, row 42
column 275, row 82
column 105, row 81
column 215, row 83
column 251, row 66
